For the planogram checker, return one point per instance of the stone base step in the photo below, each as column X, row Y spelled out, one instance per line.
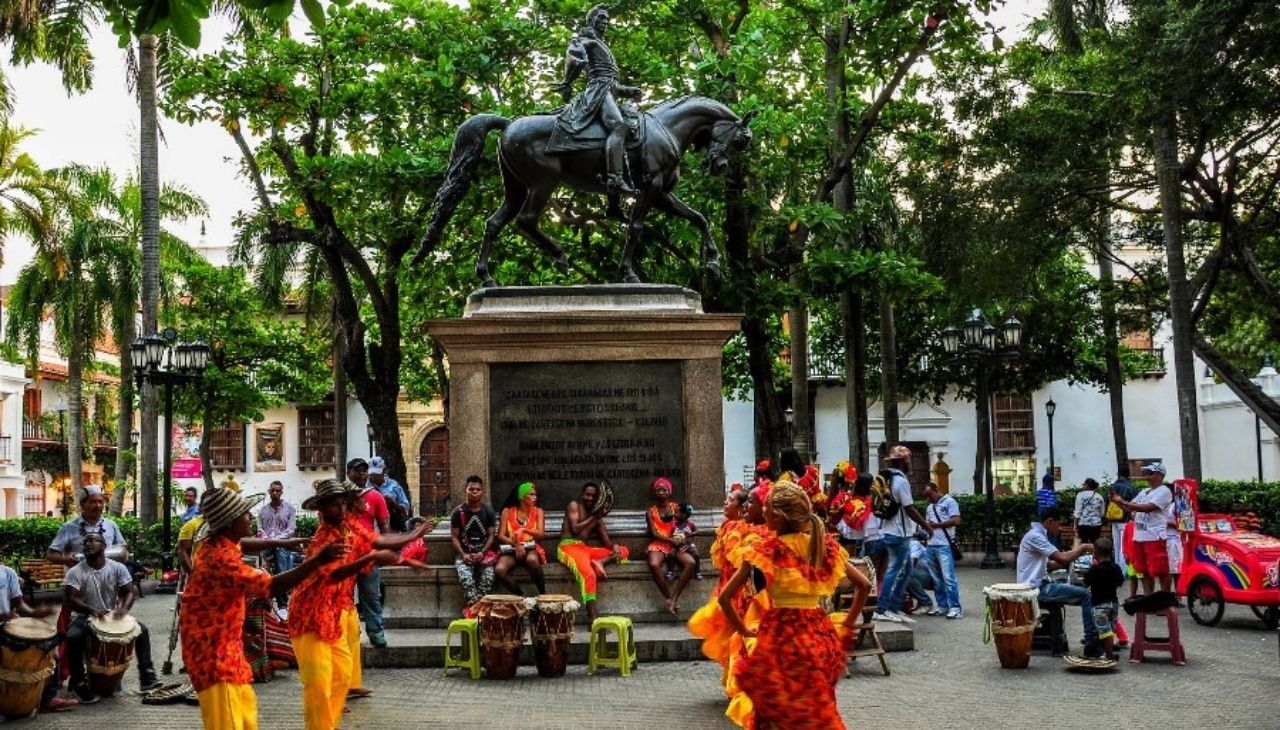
column 668, row 642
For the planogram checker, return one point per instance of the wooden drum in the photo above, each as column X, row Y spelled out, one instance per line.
column 1012, row 611
column 551, row 630
column 26, row 661
column 501, row 634
column 109, row 651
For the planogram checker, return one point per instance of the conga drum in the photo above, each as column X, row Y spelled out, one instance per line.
column 501, row 634
column 1012, row 610
column 109, row 651
column 551, row 629
column 27, row 646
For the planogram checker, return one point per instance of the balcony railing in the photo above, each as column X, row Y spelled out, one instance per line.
column 1149, row 359
column 96, row 436
column 35, row 431
column 6, row 449
column 826, row 366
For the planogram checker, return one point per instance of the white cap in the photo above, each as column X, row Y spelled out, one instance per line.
column 92, row 490
column 377, row 465
column 1156, row 468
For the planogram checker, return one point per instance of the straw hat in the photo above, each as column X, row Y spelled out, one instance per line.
column 325, row 489
column 221, row 507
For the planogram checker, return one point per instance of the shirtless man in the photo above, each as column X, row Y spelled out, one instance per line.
column 584, row 561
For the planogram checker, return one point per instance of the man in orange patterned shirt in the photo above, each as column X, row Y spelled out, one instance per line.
column 211, row 620
column 364, row 540
column 316, row 625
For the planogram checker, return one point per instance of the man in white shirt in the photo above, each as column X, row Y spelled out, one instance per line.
column 1035, row 552
column 96, row 587
column 1150, row 510
column 943, row 516
column 897, row 531
column 68, row 543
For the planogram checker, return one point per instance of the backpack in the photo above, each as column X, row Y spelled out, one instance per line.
column 883, row 505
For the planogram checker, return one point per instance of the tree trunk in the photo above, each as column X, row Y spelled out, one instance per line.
column 206, row 446
column 889, row 369
column 1111, row 337
column 339, row 401
column 1167, row 178
column 855, row 368
column 770, row 420
column 75, row 396
column 149, row 178
column 798, row 316
column 126, row 458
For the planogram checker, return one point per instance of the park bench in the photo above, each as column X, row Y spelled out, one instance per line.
column 40, row 575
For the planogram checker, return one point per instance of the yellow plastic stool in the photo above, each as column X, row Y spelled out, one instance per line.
column 469, row 628
column 626, row 655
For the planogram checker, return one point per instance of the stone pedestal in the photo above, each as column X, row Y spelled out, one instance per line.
column 564, row 385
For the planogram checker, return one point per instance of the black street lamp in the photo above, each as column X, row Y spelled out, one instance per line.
column 1049, row 409
column 985, row 346
column 790, row 415
column 373, row 440
column 160, row 359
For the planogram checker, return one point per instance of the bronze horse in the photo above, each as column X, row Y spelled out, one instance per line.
column 530, row 173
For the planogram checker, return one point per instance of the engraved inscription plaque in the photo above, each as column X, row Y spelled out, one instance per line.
column 563, row 424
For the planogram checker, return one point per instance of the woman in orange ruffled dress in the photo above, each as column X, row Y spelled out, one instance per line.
column 752, row 603
column 708, row 623
column 661, row 521
column 799, row 655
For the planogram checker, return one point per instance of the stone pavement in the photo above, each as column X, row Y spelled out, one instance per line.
column 951, row 680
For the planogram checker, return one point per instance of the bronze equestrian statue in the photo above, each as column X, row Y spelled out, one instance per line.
column 539, row 153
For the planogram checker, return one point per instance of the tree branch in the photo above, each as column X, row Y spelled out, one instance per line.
column 1263, row 406
column 255, row 171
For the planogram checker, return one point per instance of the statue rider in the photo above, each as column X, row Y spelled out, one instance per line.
column 588, row 50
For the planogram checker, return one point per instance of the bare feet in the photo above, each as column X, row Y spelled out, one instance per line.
column 672, row 607
column 358, row 692
column 598, row 567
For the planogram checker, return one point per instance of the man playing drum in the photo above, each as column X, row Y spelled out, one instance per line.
column 1034, row 555
column 12, row 606
column 97, row 587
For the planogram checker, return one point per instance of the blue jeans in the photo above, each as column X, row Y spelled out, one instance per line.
column 369, row 588
column 894, row 590
column 942, row 568
column 1068, row 595
column 916, row 587
column 873, row 548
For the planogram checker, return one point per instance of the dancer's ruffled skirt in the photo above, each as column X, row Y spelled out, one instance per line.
column 790, row 676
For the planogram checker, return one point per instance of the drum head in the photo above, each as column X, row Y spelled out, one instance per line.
column 30, row 629
column 110, row 627
column 1012, row 587
column 500, row 606
column 553, row 598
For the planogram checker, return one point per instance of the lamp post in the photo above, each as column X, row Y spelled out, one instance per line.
column 373, row 441
column 1049, row 409
column 984, row 346
column 160, row 359
column 1268, row 370
column 791, row 426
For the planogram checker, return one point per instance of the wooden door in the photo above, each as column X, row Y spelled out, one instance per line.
column 433, row 473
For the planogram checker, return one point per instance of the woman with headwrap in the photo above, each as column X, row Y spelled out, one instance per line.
column 661, row 519
column 791, row 674
column 520, row 528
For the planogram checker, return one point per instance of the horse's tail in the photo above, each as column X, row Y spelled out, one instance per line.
column 468, row 150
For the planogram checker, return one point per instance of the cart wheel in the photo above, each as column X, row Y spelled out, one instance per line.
column 1269, row 615
column 1204, row 601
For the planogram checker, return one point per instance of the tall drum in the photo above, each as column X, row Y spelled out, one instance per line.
column 26, row 661
column 501, row 634
column 1012, row 610
column 109, row 651
column 551, row 630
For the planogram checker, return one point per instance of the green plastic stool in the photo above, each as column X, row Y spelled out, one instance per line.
column 625, row 658
column 469, row 628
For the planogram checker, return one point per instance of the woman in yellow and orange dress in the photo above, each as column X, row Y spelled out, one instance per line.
column 520, row 528
column 708, row 623
column 799, row 654
column 752, row 603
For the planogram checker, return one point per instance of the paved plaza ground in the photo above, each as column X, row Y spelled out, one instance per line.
column 952, row 680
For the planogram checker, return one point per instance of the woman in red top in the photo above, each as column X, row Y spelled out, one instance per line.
column 661, row 519
column 211, row 621
column 520, row 528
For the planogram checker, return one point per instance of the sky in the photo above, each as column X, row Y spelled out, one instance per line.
column 100, row 128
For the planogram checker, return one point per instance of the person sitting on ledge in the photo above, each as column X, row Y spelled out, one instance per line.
column 521, row 527
column 661, row 520
column 584, row 561
column 474, row 528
